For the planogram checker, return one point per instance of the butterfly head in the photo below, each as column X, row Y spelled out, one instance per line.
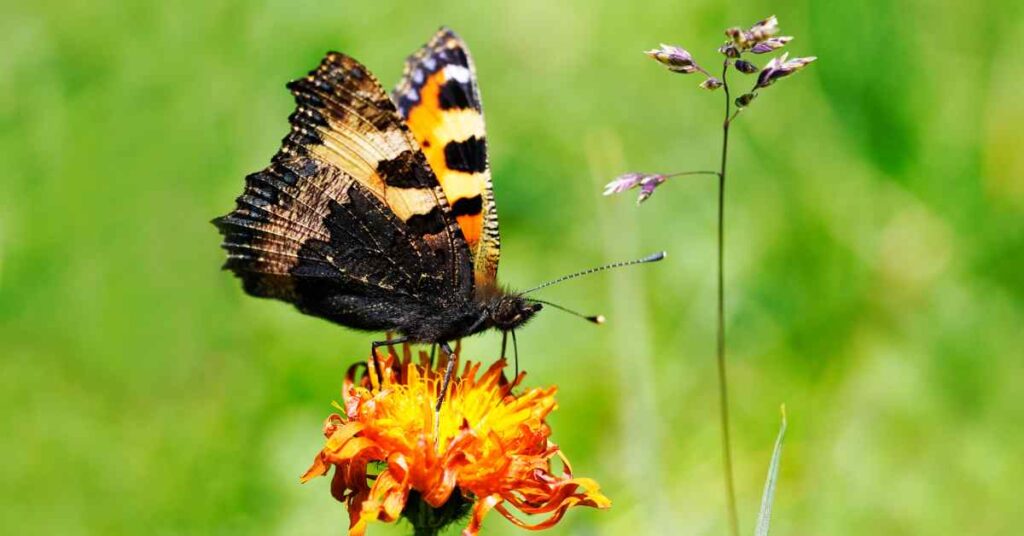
column 509, row 311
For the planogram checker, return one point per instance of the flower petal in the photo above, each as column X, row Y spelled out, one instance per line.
column 480, row 509
column 392, row 495
column 319, row 468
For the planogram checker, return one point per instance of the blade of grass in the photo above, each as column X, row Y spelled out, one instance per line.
column 764, row 517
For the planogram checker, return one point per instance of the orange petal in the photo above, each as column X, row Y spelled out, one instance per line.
column 561, row 493
column 369, row 511
column 480, row 509
column 340, row 489
column 354, row 474
column 359, row 529
column 390, row 494
column 352, row 448
column 319, row 468
column 598, row 501
column 441, row 491
column 355, row 507
column 342, row 434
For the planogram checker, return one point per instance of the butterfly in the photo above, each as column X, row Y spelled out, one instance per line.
column 378, row 211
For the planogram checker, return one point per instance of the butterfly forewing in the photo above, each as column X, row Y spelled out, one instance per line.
column 439, row 97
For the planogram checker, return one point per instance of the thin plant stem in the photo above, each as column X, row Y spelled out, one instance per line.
column 723, row 391
column 681, row 173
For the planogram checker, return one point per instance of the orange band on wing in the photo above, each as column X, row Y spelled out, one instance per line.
column 434, row 128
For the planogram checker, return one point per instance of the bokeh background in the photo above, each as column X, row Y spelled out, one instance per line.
column 875, row 261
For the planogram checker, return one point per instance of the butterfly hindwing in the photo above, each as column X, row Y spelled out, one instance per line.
column 348, row 222
column 439, row 97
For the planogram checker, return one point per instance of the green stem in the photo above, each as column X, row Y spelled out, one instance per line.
column 681, row 173
column 723, row 391
column 428, row 520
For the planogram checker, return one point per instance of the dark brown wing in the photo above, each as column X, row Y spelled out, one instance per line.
column 348, row 222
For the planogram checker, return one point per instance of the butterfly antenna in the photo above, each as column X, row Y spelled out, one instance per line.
column 654, row 257
column 597, row 319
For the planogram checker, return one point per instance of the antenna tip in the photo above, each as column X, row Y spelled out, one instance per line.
column 597, row 319
column 654, row 257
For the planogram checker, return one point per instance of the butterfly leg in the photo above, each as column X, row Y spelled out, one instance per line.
column 515, row 352
column 449, row 368
column 376, row 360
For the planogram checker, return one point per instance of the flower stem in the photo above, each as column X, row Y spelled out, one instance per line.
column 681, row 173
column 723, row 391
column 429, row 520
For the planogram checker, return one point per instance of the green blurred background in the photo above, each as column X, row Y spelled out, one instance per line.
column 875, row 261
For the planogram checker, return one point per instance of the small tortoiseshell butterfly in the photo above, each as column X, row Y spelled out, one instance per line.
column 378, row 213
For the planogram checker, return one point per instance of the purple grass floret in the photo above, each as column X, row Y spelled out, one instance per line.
column 771, row 44
column 677, row 59
column 781, row 67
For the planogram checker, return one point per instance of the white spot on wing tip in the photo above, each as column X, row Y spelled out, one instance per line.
column 458, row 73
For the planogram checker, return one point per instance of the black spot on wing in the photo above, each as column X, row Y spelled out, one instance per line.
column 301, row 136
column 407, row 170
column 304, row 96
column 456, row 56
column 308, row 117
column 457, row 95
column 286, row 175
column 430, row 223
column 469, row 155
column 468, row 206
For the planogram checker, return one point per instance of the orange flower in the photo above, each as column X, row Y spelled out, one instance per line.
column 490, row 447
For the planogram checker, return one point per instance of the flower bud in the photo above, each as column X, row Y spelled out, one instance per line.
column 744, row 100
column 729, row 50
column 745, row 67
column 738, row 38
column 677, row 59
column 711, row 83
